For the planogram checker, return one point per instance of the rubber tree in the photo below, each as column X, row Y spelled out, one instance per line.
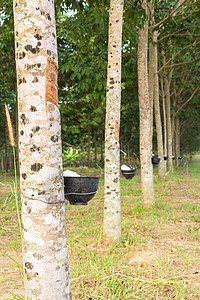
column 145, row 123
column 45, row 254
column 112, row 206
column 159, row 135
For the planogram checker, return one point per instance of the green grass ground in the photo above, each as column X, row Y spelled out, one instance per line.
column 158, row 258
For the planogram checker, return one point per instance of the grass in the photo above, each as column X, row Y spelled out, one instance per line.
column 158, row 258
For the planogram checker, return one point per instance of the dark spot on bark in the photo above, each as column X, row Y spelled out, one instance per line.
column 21, row 55
column 33, row 108
column 112, row 81
column 42, row 13
column 39, row 44
column 16, row 33
column 36, row 167
column 39, row 65
column 54, row 138
column 17, row 44
column 24, row 176
column 38, row 36
column 35, row 274
column 16, row 4
column 48, row 17
column 37, row 8
column 51, row 125
column 110, row 24
column 22, row 80
column 49, row 52
column 105, row 207
column 115, row 180
column 31, row 49
column 109, row 66
column 111, row 87
column 42, row 193
column 28, row 210
column 24, row 119
column 25, row 202
column 107, row 160
column 22, row 132
column 114, row 46
column 35, row 79
column 36, row 129
column 116, row 64
column 31, row 135
column 53, row 34
column 108, row 193
column 34, row 148
column 29, row 265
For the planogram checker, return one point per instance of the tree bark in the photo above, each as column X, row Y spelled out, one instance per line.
column 144, row 108
column 112, row 206
column 88, row 156
column 161, row 168
column 102, row 159
column 42, row 194
column 177, row 141
column 164, row 120
column 151, row 73
column 95, row 148
column 167, row 81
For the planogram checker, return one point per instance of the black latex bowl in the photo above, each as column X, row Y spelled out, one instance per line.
column 129, row 174
column 80, row 190
column 155, row 160
column 165, row 157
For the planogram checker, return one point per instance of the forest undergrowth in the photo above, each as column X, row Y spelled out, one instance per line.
column 158, row 258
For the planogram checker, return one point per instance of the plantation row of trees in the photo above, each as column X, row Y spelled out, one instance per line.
column 82, row 34
column 155, row 67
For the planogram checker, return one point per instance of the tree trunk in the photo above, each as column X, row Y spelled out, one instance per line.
column 88, row 156
column 42, row 194
column 164, row 121
column 2, row 160
column 161, row 168
column 112, row 206
column 151, row 73
column 144, row 108
column 167, row 81
column 95, row 148
column 102, row 159
column 177, row 141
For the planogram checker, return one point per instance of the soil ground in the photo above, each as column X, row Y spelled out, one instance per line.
column 159, row 257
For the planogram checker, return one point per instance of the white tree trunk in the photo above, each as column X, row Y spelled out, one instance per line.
column 144, row 107
column 161, row 167
column 164, row 121
column 112, row 206
column 41, row 181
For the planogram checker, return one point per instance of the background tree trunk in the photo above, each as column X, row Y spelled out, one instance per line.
column 41, row 180
column 112, row 206
column 88, row 156
column 161, row 168
column 144, row 108
column 164, row 121
column 95, row 148
column 167, row 82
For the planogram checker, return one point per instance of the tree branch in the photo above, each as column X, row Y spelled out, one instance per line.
column 174, row 33
column 176, row 54
column 171, row 15
column 187, row 101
